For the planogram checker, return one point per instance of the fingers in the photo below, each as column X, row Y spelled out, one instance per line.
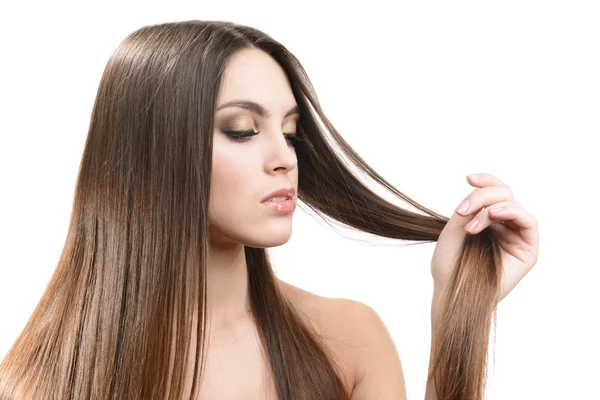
column 490, row 192
column 526, row 223
column 483, row 218
column 487, row 192
column 512, row 214
column 484, row 197
column 492, row 204
column 483, row 179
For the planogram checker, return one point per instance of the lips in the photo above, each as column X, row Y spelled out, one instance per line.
column 283, row 192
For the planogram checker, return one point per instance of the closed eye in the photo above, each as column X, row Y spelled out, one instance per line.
column 244, row 136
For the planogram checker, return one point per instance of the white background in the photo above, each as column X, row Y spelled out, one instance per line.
column 426, row 92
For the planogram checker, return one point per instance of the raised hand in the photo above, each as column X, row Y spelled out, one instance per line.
column 490, row 205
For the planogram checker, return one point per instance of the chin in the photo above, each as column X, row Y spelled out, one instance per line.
column 256, row 233
column 268, row 239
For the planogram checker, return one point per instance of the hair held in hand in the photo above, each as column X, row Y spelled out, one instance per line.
column 137, row 240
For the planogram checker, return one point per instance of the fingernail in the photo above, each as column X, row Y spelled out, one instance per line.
column 475, row 176
column 464, row 206
column 472, row 225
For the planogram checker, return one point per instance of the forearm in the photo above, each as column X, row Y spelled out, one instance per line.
column 430, row 393
column 430, row 390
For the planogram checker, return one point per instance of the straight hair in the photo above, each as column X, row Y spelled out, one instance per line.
column 127, row 300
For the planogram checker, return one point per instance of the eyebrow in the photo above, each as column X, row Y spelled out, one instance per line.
column 256, row 108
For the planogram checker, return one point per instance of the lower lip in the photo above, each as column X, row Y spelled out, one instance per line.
column 281, row 206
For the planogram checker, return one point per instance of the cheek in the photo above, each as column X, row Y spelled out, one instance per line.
column 232, row 189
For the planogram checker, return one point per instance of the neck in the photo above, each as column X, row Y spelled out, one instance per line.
column 227, row 283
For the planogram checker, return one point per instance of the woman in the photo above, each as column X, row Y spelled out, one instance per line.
column 203, row 138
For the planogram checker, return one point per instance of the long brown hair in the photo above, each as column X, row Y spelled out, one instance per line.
column 129, row 291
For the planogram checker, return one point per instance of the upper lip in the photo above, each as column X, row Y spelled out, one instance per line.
column 283, row 192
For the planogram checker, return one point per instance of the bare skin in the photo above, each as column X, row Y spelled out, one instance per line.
column 243, row 174
column 236, row 368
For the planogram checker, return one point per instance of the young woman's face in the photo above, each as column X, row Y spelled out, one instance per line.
column 246, row 171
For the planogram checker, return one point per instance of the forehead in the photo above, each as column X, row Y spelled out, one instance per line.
column 252, row 74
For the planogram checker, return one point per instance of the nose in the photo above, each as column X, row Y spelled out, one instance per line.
column 280, row 152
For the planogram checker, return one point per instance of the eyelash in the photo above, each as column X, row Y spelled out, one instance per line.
column 244, row 136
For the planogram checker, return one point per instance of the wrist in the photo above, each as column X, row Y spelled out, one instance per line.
column 435, row 301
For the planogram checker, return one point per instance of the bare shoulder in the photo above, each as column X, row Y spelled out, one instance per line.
column 358, row 337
